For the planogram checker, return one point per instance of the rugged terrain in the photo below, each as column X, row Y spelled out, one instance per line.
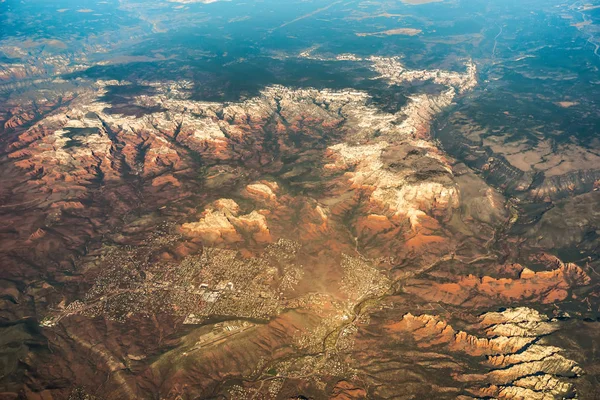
column 266, row 247
column 379, row 238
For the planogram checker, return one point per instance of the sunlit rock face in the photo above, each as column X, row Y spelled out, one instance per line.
column 85, row 144
column 225, row 224
column 510, row 354
column 546, row 286
column 400, row 187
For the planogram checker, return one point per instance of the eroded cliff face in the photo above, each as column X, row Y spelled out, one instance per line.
column 538, row 170
column 302, row 242
column 83, row 155
column 520, row 364
column 515, row 284
column 551, row 181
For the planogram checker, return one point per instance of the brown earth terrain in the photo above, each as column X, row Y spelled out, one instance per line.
column 302, row 243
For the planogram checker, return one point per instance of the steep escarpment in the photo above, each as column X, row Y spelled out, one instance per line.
column 535, row 170
column 510, row 354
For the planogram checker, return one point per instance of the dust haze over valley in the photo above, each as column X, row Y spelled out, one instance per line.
column 206, row 199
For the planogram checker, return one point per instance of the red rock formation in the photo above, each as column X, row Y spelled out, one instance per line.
column 222, row 223
column 345, row 390
column 364, row 182
column 263, row 191
column 431, row 331
column 544, row 286
column 520, row 365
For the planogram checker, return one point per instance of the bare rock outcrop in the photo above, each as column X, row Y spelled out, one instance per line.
column 521, row 364
column 222, row 223
column 542, row 286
